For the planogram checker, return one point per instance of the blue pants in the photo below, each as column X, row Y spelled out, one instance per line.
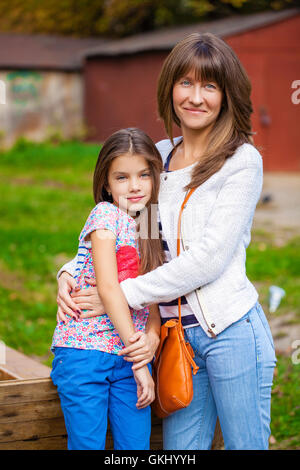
column 93, row 386
column 234, row 383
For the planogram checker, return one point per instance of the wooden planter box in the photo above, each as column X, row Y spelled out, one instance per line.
column 30, row 412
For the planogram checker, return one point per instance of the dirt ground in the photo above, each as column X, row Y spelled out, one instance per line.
column 278, row 212
column 281, row 214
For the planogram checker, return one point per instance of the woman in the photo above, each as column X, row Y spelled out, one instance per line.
column 205, row 91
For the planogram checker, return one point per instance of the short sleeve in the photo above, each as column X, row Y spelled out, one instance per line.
column 103, row 216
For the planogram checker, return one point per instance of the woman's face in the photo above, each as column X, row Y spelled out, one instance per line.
column 196, row 104
column 130, row 182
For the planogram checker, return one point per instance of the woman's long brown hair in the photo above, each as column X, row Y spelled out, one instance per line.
column 135, row 142
column 212, row 60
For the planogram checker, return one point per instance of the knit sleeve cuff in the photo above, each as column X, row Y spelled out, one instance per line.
column 68, row 267
column 130, row 295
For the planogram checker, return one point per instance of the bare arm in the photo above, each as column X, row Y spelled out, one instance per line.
column 115, row 304
column 106, row 271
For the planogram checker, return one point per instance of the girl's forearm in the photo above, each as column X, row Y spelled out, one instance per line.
column 117, row 309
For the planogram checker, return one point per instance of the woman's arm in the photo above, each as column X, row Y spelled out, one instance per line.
column 209, row 256
column 153, row 324
column 69, row 268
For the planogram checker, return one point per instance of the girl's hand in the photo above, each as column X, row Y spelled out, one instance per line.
column 145, row 387
column 88, row 299
column 142, row 351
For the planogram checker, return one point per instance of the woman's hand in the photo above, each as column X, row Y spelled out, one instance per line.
column 142, row 350
column 66, row 283
column 88, row 299
column 145, row 387
column 71, row 299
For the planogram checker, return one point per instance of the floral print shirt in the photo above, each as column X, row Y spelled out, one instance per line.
column 99, row 332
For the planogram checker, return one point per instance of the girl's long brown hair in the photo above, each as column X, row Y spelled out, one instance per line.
column 212, row 60
column 135, row 142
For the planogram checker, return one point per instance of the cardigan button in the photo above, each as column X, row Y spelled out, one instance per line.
column 165, row 178
column 213, row 325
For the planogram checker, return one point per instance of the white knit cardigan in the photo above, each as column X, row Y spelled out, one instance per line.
column 216, row 226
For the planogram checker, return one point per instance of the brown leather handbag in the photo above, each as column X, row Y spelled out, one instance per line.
column 172, row 367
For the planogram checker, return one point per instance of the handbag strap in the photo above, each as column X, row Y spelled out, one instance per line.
column 187, row 196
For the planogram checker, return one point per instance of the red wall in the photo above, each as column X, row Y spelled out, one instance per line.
column 271, row 56
column 121, row 92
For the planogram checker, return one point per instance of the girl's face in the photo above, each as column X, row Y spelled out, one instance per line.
column 196, row 104
column 130, row 182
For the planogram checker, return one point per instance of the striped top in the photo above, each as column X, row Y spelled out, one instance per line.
column 170, row 309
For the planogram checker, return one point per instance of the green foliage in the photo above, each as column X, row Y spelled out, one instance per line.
column 117, row 18
column 46, row 195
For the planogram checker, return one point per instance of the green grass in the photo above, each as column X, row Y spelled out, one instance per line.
column 46, row 196
column 286, row 405
column 268, row 264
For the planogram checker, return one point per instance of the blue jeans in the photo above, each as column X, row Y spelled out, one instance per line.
column 233, row 382
column 93, row 385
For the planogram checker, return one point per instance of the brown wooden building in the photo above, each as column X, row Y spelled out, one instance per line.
column 120, row 80
column 41, row 76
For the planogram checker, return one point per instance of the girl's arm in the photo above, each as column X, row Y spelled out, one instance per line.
column 106, row 271
column 115, row 304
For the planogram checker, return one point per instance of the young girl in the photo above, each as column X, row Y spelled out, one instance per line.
column 204, row 90
column 93, row 382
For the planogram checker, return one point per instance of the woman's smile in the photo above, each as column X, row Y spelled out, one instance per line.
column 194, row 110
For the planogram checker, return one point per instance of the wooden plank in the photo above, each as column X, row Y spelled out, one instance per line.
column 5, row 374
column 156, row 433
column 45, row 443
column 24, row 367
column 218, row 442
column 16, row 412
column 30, row 390
column 9, row 432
